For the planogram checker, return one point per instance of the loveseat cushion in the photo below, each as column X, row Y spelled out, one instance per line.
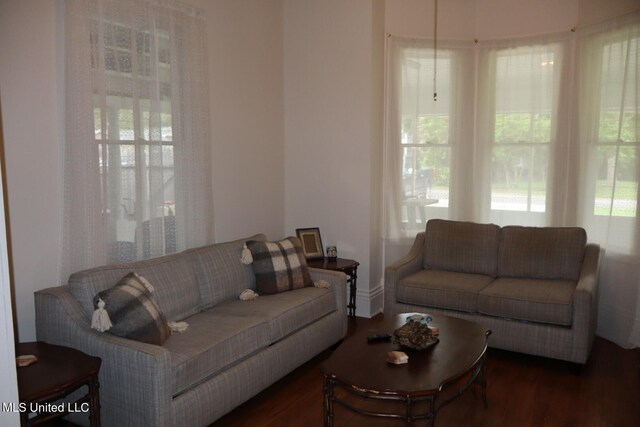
column 463, row 247
column 220, row 273
column 210, row 344
column 442, row 289
column 285, row 312
column 543, row 301
column 541, row 252
column 176, row 288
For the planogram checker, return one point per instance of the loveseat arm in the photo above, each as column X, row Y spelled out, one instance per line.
column 585, row 304
column 135, row 377
column 409, row 264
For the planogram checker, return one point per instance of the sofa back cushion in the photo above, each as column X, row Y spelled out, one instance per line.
column 176, row 288
column 541, row 252
column 220, row 273
column 465, row 247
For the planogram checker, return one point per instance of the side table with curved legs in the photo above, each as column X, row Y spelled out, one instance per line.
column 58, row 372
column 347, row 266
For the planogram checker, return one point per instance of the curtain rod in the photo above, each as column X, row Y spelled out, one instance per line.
column 622, row 20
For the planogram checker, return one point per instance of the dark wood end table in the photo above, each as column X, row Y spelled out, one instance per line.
column 430, row 380
column 58, row 372
column 347, row 266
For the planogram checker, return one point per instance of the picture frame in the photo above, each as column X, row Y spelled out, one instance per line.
column 311, row 242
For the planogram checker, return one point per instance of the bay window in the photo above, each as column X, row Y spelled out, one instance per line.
column 533, row 131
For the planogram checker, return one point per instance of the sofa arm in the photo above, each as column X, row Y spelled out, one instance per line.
column 338, row 282
column 409, row 264
column 135, row 377
column 585, row 303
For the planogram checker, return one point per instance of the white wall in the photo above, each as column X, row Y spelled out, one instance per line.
column 330, row 137
column 414, row 18
column 247, row 118
column 507, row 18
column 595, row 11
column 495, row 19
column 30, row 86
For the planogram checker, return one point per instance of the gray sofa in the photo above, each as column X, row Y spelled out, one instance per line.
column 232, row 349
column 536, row 288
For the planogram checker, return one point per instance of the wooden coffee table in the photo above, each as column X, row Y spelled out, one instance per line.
column 444, row 370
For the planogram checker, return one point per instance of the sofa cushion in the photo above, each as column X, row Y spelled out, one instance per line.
column 543, row 301
column 285, row 312
column 212, row 343
column 220, row 274
column 279, row 266
column 133, row 311
column 464, row 247
column 176, row 288
column 442, row 289
column 541, row 252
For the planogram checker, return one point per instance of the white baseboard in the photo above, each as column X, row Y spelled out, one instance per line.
column 369, row 302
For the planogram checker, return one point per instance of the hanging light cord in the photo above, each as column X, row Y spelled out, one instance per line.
column 435, row 50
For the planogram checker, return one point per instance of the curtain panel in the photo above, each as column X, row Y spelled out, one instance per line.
column 533, row 131
column 136, row 153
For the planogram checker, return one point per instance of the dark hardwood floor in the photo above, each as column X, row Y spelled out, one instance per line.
column 522, row 391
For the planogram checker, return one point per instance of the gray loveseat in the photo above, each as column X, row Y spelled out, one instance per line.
column 232, row 349
column 536, row 288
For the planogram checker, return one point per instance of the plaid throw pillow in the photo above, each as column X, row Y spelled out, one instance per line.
column 279, row 266
column 133, row 311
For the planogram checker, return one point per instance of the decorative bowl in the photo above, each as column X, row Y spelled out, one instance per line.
column 414, row 335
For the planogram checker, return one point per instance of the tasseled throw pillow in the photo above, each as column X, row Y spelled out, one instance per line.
column 129, row 310
column 279, row 266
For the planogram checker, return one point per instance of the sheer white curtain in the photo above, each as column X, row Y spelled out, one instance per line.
column 518, row 130
column 136, row 166
column 540, row 131
column 608, row 129
column 429, row 151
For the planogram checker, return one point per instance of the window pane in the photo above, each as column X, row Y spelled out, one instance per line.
column 425, row 129
column 522, row 133
column 159, row 189
column 118, row 169
column 616, row 187
column 425, row 180
column 523, row 127
column 425, row 121
column 616, row 184
column 140, row 186
column 524, row 95
column 124, row 126
column 519, row 178
column 425, row 134
column 426, row 173
column 618, row 89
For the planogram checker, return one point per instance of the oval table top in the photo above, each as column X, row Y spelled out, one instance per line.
column 362, row 365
